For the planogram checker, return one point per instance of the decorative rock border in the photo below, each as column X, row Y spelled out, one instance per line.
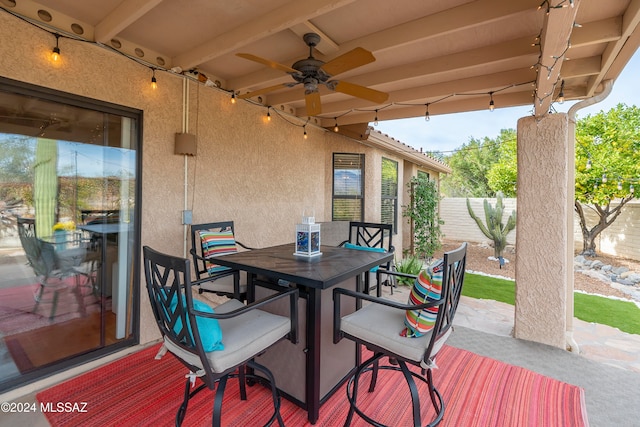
column 620, row 278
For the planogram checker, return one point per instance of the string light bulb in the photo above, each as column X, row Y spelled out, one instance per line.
column 375, row 121
column 604, row 177
column 588, row 166
column 619, row 185
column 336, row 128
column 426, row 114
column 492, row 105
column 631, row 189
column 55, row 54
column 233, row 97
column 154, row 82
column 561, row 94
column 268, row 115
column 305, row 136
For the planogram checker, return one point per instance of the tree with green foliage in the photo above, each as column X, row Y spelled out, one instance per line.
column 607, row 167
column 503, row 176
column 471, row 164
column 494, row 228
column 16, row 168
column 422, row 212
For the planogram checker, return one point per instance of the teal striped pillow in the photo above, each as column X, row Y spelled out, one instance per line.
column 216, row 243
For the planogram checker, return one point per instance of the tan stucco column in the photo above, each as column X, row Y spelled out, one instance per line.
column 543, row 229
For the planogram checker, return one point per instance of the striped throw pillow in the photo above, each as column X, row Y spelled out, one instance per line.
column 216, row 243
column 427, row 288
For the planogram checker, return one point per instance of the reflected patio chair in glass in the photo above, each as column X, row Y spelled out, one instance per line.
column 208, row 241
column 54, row 268
column 378, row 326
column 374, row 237
column 218, row 343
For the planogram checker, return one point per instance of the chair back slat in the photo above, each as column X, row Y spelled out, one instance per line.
column 167, row 279
column 452, row 280
column 371, row 235
column 40, row 254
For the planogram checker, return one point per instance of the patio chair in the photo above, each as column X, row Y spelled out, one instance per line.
column 53, row 267
column 216, row 345
column 407, row 334
column 208, row 241
column 372, row 237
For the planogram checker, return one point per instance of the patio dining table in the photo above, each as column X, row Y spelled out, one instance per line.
column 309, row 372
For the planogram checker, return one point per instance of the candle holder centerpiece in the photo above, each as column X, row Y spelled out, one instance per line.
column 308, row 236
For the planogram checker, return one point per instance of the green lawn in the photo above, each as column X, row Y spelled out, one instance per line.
column 623, row 315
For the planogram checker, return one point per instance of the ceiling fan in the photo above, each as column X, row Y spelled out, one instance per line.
column 312, row 72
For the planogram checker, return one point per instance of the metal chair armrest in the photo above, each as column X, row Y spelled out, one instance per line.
column 343, row 243
column 394, row 273
column 242, row 245
column 292, row 293
column 338, row 292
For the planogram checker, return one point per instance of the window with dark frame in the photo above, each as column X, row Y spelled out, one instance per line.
column 348, row 187
column 69, row 198
column 389, row 193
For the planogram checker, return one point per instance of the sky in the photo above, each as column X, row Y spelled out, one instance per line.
column 448, row 132
column 90, row 160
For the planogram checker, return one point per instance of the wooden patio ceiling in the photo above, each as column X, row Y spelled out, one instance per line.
column 440, row 56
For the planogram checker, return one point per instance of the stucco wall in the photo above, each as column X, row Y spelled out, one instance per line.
column 261, row 175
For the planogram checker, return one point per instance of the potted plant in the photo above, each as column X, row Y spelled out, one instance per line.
column 409, row 265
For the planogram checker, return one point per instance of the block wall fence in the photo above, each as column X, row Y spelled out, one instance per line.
column 622, row 238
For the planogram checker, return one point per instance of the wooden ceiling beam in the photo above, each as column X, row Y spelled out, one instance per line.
column 471, row 103
column 604, row 31
column 326, row 46
column 449, row 21
column 278, row 19
column 504, row 52
column 554, row 44
column 125, row 14
column 581, row 67
column 630, row 22
column 592, row 33
column 430, row 93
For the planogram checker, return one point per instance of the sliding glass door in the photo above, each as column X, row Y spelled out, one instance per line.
column 69, row 191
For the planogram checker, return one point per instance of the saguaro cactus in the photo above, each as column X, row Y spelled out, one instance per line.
column 494, row 228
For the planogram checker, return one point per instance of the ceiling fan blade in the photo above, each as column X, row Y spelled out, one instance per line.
column 361, row 92
column 312, row 100
column 263, row 90
column 350, row 60
column 267, row 62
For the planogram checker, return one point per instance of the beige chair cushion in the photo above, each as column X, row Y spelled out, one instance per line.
column 381, row 325
column 225, row 284
column 243, row 337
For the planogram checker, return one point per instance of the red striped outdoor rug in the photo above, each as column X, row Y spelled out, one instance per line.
column 140, row 391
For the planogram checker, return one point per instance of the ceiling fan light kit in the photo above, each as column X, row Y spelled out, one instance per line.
column 312, row 72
